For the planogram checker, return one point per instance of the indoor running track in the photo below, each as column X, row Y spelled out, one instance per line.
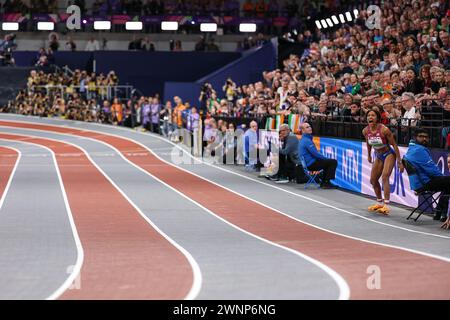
column 99, row 212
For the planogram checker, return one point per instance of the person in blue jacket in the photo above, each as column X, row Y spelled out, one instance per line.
column 315, row 161
column 427, row 175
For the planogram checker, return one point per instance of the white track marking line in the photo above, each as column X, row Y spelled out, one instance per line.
column 80, row 254
column 238, row 174
column 11, row 176
column 344, row 290
column 291, row 217
column 222, row 169
column 197, row 276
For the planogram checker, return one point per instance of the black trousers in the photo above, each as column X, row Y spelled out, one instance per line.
column 329, row 168
column 439, row 184
column 286, row 167
column 289, row 169
column 154, row 127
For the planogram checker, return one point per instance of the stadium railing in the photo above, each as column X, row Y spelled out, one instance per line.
column 104, row 92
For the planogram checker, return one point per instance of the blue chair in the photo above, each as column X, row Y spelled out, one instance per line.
column 313, row 176
column 427, row 199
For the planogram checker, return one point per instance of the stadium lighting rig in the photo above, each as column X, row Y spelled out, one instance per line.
column 10, row 26
column 333, row 20
column 130, row 26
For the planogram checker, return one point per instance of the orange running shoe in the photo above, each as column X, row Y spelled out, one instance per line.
column 384, row 210
column 375, row 207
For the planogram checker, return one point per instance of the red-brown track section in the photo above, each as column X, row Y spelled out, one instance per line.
column 404, row 275
column 124, row 257
column 8, row 159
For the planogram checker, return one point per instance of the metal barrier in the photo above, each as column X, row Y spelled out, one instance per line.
column 102, row 92
column 348, row 129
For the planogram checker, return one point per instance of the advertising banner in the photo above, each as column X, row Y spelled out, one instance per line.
column 353, row 171
column 399, row 182
column 349, row 157
column 440, row 158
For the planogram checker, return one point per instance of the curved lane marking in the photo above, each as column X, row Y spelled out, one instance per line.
column 123, row 257
column 350, row 258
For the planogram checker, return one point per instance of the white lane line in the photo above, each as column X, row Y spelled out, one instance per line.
column 245, row 177
column 282, row 213
column 11, row 176
column 344, row 290
column 197, row 276
column 292, row 217
column 80, row 254
column 219, row 168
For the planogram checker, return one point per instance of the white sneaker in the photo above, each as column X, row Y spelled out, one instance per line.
column 282, row 180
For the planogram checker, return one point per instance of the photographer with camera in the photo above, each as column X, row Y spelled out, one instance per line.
column 7, row 45
column 229, row 88
column 206, row 92
column 6, row 58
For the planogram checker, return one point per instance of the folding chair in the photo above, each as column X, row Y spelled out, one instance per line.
column 312, row 176
column 429, row 197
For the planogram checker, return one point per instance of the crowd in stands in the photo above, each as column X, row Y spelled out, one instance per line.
column 16, row 6
column 161, row 7
column 81, row 96
column 7, row 45
column 251, row 8
column 403, row 69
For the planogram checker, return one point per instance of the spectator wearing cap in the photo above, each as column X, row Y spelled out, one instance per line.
column 435, row 10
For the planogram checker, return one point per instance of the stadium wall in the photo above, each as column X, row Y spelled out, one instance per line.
column 247, row 69
column 146, row 71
